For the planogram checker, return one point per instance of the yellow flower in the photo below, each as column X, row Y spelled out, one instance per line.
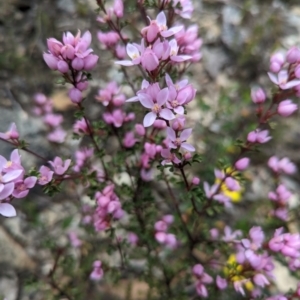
column 234, row 272
column 235, row 196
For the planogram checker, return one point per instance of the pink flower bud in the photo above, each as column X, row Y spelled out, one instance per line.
column 169, row 219
column 62, row 66
column 90, row 62
column 140, row 129
column 242, row 164
column 83, row 85
column 54, row 46
column 118, row 8
column 187, row 155
column 286, row 108
column 78, row 63
column 195, row 180
column 221, row 283
column 258, row 96
column 198, row 270
column 214, row 233
column 160, row 124
column 40, row 99
column 51, row 61
column 120, row 52
column 293, row 55
column 132, row 238
column 276, row 62
column 68, row 52
column 75, row 95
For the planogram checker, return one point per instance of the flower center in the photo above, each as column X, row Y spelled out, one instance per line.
column 174, row 103
column 8, row 164
column 21, row 187
column 177, row 142
column 156, row 108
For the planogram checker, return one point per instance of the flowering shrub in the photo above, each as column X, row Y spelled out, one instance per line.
column 149, row 203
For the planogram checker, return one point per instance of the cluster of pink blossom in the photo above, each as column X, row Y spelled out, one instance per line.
column 81, row 158
column 43, row 108
column 72, row 58
column 258, row 263
column 288, row 244
column 151, row 151
column 281, row 195
column 161, row 235
column 113, row 100
column 153, row 54
column 13, row 182
column 116, row 11
column 202, row 280
column 59, row 167
column 155, row 49
column 97, row 272
column 108, row 208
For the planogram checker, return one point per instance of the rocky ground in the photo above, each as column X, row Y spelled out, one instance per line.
column 238, row 36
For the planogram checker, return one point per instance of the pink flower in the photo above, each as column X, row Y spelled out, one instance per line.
column 169, row 157
column 140, row 129
column 132, row 238
column 258, row 136
column 293, row 55
column 286, row 108
column 258, row 95
column 134, row 53
column 242, row 164
column 186, row 8
column 80, row 127
column 74, row 240
column 282, row 80
column 22, row 187
column 75, row 95
column 97, row 272
column 179, row 142
column 195, row 180
column 174, row 48
column 116, row 118
column 60, row 166
column 45, row 175
column 109, row 39
column 58, row 135
column 129, row 140
column 11, row 134
column 53, row 120
column 283, row 165
column 202, row 280
column 221, row 282
column 276, row 62
column 156, row 107
column 159, row 26
column 118, row 8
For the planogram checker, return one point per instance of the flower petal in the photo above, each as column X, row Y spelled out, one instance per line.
column 126, row 63
column 188, row 147
column 7, row 210
column 7, row 190
column 166, row 114
column 185, row 134
column 162, row 96
column 145, row 100
column 149, row 119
